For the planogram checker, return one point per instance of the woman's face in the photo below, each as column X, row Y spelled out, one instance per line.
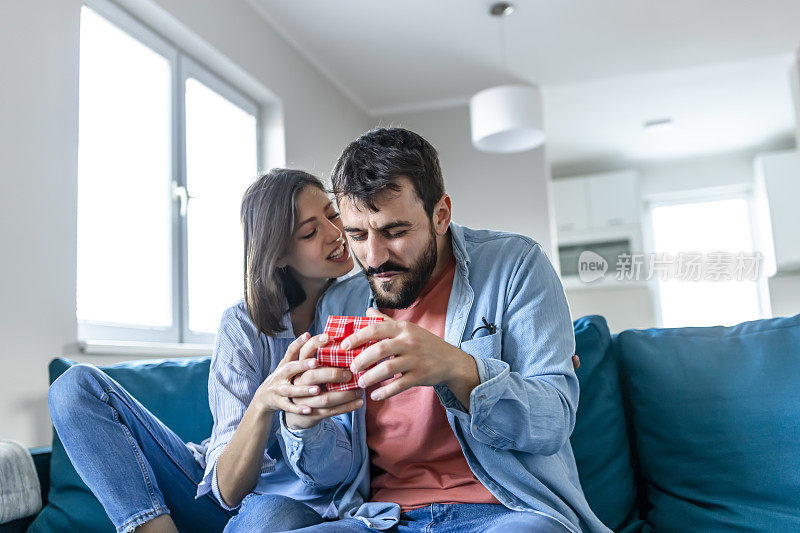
column 318, row 249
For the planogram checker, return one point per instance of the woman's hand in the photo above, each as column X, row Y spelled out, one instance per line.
column 276, row 392
column 323, row 404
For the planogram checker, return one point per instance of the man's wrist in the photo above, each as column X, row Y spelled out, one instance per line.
column 458, row 368
column 292, row 423
column 463, row 376
column 298, row 433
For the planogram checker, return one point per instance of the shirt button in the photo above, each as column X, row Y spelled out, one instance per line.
column 482, row 397
column 474, row 427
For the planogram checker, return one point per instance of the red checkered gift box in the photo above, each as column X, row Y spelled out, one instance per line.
column 339, row 328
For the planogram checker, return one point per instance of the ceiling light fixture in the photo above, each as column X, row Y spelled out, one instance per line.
column 507, row 118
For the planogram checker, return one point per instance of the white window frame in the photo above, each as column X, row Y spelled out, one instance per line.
column 725, row 192
column 188, row 68
column 182, row 67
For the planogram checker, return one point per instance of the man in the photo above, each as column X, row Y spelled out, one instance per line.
column 472, row 397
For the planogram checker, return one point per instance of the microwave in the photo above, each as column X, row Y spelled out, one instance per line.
column 609, row 250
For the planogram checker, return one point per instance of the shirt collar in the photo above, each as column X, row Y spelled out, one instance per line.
column 459, row 247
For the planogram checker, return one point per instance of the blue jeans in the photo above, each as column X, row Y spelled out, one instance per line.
column 262, row 513
column 139, row 469
column 456, row 518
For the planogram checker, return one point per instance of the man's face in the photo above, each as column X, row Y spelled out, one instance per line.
column 395, row 245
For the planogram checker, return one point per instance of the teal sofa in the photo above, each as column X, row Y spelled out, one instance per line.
column 685, row 429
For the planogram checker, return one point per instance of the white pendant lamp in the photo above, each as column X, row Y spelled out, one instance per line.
column 508, row 118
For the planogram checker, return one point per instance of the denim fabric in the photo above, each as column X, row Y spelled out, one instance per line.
column 455, row 518
column 262, row 513
column 242, row 359
column 515, row 436
column 173, row 390
column 135, row 465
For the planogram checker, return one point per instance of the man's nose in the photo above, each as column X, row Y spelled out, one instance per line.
column 377, row 253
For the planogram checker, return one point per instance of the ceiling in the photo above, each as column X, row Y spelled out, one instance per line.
column 718, row 68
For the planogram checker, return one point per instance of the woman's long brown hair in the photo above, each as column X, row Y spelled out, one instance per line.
column 268, row 216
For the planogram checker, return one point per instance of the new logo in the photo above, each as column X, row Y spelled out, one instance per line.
column 591, row 266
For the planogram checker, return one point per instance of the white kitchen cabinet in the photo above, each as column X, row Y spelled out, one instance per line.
column 778, row 181
column 596, row 201
column 613, row 199
column 571, row 204
column 596, row 212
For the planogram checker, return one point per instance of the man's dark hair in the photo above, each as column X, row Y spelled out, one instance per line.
column 372, row 164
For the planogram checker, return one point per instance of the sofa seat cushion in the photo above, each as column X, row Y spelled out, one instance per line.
column 715, row 414
column 174, row 390
column 599, row 440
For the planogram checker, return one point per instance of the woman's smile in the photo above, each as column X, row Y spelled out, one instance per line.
column 340, row 254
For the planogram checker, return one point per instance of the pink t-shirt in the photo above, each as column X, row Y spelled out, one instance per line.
column 416, row 458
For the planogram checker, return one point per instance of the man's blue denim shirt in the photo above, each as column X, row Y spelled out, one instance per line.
column 515, row 436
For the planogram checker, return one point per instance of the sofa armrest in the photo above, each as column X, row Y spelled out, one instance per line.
column 41, row 460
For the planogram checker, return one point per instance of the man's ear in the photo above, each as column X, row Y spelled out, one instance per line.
column 442, row 213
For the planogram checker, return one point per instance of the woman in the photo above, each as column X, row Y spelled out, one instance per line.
column 148, row 479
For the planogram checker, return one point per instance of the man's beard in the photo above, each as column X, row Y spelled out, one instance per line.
column 407, row 290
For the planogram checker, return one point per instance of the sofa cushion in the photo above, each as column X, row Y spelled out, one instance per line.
column 174, row 390
column 715, row 415
column 599, row 440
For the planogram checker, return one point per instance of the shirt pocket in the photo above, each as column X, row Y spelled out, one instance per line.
column 486, row 347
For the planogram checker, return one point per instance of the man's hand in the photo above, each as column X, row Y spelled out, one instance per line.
column 323, row 404
column 418, row 355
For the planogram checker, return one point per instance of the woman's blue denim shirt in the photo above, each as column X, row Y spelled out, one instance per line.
column 515, row 436
column 242, row 359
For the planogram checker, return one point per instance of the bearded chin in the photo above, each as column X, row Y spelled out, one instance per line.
column 407, row 290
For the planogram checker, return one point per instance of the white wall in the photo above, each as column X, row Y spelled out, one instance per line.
column 489, row 191
column 794, row 81
column 38, row 176
column 700, row 173
column 784, row 293
column 39, row 42
column 784, row 288
column 623, row 308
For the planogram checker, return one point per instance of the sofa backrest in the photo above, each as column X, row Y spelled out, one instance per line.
column 714, row 415
column 175, row 390
column 600, row 438
column 711, row 413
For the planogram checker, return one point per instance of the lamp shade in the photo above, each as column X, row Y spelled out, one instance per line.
column 507, row 119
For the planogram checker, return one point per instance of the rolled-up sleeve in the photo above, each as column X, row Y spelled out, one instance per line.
column 234, row 377
column 321, row 455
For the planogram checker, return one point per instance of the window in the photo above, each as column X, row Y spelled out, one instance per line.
column 717, row 233
column 166, row 150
